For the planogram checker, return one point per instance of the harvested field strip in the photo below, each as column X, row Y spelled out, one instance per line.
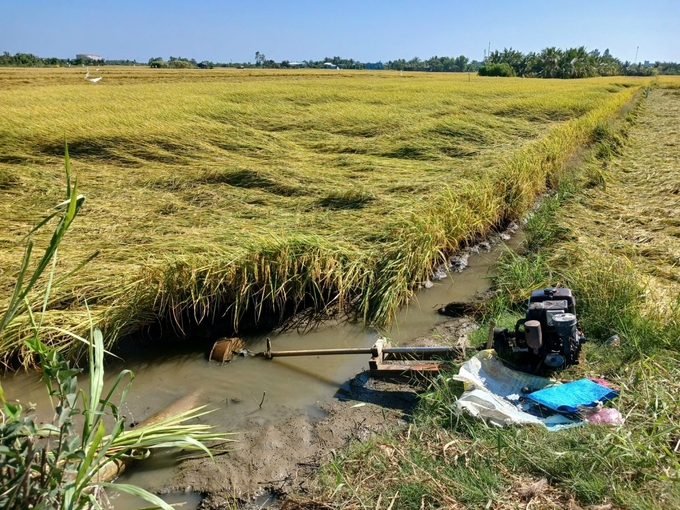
column 258, row 189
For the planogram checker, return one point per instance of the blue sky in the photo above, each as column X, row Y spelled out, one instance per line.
column 367, row 30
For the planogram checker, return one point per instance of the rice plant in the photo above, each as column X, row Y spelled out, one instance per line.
column 265, row 188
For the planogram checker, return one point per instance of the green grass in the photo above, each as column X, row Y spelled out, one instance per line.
column 216, row 193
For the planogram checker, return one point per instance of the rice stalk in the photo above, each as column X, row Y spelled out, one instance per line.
column 277, row 190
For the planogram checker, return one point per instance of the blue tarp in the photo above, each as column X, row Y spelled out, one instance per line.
column 571, row 397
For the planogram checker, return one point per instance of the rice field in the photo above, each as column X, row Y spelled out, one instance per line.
column 238, row 193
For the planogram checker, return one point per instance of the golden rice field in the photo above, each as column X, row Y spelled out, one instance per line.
column 235, row 192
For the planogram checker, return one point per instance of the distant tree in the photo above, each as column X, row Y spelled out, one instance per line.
column 462, row 63
column 5, row 58
column 508, row 56
column 630, row 69
column 397, row 65
column 667, row 67
column 529, row 66
column 435, row 64
column 157, row 63
column 181, row 63
column 608, row 65
column 474, row 66
column 550, row 62
column 496, row 69
column 556, row 63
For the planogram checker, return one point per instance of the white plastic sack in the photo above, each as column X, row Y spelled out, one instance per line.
column 492, row 392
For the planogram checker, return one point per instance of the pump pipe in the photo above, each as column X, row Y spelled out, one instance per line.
column 398, row 352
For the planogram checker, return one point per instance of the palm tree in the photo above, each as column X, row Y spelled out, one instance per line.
column 550, row 62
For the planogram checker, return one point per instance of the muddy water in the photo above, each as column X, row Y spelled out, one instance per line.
column 235, row 390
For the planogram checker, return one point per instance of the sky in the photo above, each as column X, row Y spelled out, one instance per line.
column 366, row 30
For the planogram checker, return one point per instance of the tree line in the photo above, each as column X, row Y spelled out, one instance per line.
column 549, row 63
column 569, row 63
column 30, row 60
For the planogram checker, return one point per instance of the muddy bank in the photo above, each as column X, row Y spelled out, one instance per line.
column 274, row 458
column 278, row 456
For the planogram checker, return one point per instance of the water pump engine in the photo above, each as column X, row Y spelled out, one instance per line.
column 548, row 337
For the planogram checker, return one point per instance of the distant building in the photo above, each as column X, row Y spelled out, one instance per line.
column 329, row 65
column 89, row 56
column 648, row 63
column 295, row 64
column 376, row 65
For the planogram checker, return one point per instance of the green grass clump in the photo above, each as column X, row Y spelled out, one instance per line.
column 261, row 188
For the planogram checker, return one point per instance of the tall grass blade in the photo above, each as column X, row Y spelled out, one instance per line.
column 136, row 491
column 15, row 300
column 67, row 166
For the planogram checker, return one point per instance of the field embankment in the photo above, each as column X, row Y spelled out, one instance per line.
column 237, row 193
column 610, row 233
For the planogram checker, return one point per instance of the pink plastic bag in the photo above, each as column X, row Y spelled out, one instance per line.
column 606, row 416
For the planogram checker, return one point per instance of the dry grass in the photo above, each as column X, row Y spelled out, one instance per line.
column 425, row 467
column 213, row 192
